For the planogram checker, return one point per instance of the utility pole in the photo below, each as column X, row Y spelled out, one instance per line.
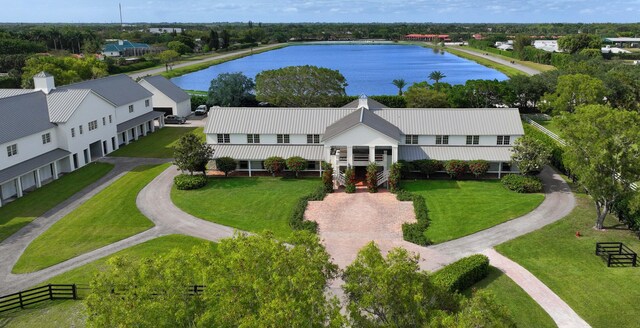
column 120, row 7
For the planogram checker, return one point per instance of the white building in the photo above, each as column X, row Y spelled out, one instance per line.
column 547, row 45
column 167, row 97
column 162, row 30
column 362, row 132
column 48, row 131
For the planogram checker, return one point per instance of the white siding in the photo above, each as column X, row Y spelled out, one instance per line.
column 28, row 147
column 361, row 135
column 123, row 115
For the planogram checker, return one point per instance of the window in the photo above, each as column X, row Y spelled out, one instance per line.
column 504, row 140
column 80, row 129
column 243, row 165
column 253, row 138
column 12, row 150
column 313, row 138
column 282, row 138
column 104, row 121
column 46, row 138
column 73, row 132
column 146, row 103
column 93, row 125
column 411, row 139
column 311, row 166
column 110, row 120
column 442, row 140
column 473, row 140
column 223, row 138
column 130, row 108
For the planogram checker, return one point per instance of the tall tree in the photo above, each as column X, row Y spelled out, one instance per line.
column 400, row 84
column 192, row 154
column 530, row 155
column 574, row 43
column 436, row 76
column 214, row 40
column 603, row 151
column 226, row 38
column 572, row 91
column 65, row 70
column 419, row 96
column 167, row 57
column 231, row 90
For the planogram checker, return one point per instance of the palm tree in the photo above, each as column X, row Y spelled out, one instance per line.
column 436, row 76
column 400, row 83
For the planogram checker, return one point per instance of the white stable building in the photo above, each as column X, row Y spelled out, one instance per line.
column 167, row 97
column 48, row 131
column 362, row 132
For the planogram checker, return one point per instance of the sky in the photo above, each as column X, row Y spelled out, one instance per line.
column 358, row 11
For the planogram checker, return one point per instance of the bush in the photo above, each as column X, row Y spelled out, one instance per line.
column 478, row 167
column 414, row 232
column 297, row 221
column 226, row 165
column 391, row 101
column 189, row 182
column 274, row 165
column 557, row 152
column 462, row 274
column 327, row 177
column 406, row 168
column 350, row 180
column 625, row 212
column 428, row 166
column 296, row 164
column 456, row 168
column 372, row 177
column 395, row 174
column 522, row 183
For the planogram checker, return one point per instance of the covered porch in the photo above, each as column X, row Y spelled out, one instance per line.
column 138, row 127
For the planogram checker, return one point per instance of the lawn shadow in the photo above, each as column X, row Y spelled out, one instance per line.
column 494, row 274
column 426, row 185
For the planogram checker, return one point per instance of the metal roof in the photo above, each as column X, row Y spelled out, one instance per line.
column 167, row 87
column 273, row 120
column 32, row 164
column 119, row 89
column 465, row 153
column 261, row 151
column 138, row 120
column 63, row 103
column 362, row 116
column 623, row 39
column 23, row 115
column 4, row 93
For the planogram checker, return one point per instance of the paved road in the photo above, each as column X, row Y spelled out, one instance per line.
column 522, row 68
column 154, row 71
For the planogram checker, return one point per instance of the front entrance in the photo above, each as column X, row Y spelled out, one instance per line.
column 361, row 175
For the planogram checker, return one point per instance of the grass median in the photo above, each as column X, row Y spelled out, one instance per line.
column 156, row 145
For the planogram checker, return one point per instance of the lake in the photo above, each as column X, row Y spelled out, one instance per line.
column 369, row 69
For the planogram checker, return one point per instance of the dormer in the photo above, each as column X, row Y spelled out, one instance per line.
column 44, row 82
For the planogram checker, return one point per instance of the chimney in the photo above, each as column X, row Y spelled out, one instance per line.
column 363, row 102
column 44, row 82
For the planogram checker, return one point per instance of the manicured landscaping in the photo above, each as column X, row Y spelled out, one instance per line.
column 251, row 204
column 523, row 309
column 158, row 144
column 459, row 208
column 22, row 211
column 109, row 216
column 604, row 297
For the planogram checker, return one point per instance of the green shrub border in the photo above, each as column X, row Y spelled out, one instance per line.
column 297, row 221
column 414, row 232
column 190, row 182
column 463, row 273
column 522, row 183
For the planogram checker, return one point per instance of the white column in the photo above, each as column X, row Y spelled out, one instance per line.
column 372, row 154
column 145, row 128
column 249, row 163
column 55, row 170
column 394, row 154
column 161, row 124
column 135, row 133
column 153, row 126
column 385, row 160
column 499, row 169
column 327, row 154
column 320, row 168
column 38, row 179
column 126, row 137
column 350, row 155
column 19, row 187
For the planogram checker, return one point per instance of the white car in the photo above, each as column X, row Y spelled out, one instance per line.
column 201, row 110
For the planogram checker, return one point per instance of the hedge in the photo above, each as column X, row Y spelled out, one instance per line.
column 297, row 221
column 557, row 151
column 623, row 210
column 522, row 183
column 462, row 274
column 456, row 168
column 189, row 182
column 414, row 232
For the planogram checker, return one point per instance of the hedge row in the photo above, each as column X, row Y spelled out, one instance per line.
column 557, row 152
column 189, row 182
column 623, row 210
column 522, row 183
column 414, row 232
column 297, row 221
column 391, row 101
column 454, row 168
column 463, row 273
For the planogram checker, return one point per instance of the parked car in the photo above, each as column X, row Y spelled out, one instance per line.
column 201, row 110
column 174, row 119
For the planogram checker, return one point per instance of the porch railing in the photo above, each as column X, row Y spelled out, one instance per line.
column 383, row 177
column 340, row 179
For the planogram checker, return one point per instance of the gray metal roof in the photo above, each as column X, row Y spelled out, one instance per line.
column 371, row 104
column 362, row 116
column 119, row 89
column 63, row 103
column 138, row 120
column 168, row 88
column 273, row 120
column 455, row 121
column 261, row 152
column 465, row 153
column 23, row 115
column 32, row 164
column 4, row 93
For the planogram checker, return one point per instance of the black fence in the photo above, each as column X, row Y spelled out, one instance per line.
column 616, row 254
column 37, row 295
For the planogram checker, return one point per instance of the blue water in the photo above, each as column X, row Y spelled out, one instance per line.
column 369, row 69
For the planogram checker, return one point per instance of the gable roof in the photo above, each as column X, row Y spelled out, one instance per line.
column 362, row 116
column 23, row 115
column 63, row 103
column 4, row 93
column 119, row 89
column 168, row 88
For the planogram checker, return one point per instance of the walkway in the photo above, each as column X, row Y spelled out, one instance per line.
column 522, row 68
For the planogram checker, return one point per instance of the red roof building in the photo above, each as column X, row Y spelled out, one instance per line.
column 427, row 37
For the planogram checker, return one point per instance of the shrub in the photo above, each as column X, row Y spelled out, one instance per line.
column 395, row 174
column 350, row 180
column 557, row 151
column 327, row 177
column 393, row 101
column 428, row 166
column 274, row 165
column 463, row 273
column 478, row 167
column 406, row 168
column 372, row 177
column 455, row 168
column 297, row 221
column 522, row 183
column 296, row 164
column 226, row 165
column 197, row 100
column 414, row 232
column 625, row 211
column 189, row 182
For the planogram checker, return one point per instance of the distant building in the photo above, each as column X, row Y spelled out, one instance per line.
column 624, row 42
column 162, row 30
column 613, row 50
column 124, row 48
column 478, row 36
column 167, row 97
column 427, row 37
column 547, row 45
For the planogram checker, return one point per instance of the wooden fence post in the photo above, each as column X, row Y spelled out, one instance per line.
column 74, row 291
column 50, row 292
column 20, row 299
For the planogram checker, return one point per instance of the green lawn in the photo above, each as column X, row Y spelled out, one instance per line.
column 156, row 145
column 109, row 216
column 251, row 204
column 460, row 208
column 17, row 214
column 551, row 125
column 69, row 313
column 604, row 297
column 523, row 309
column 506, row 70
